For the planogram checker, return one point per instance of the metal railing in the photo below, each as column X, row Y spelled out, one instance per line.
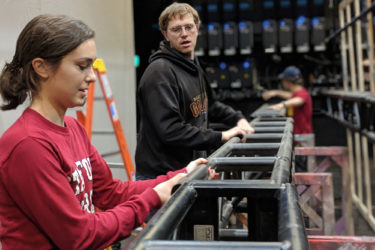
column 196, row 217
column 353, row 107
column 356, row 111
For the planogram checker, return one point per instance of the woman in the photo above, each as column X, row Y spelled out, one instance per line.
column 51, row 177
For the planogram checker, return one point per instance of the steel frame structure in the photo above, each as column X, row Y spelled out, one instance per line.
column 194, row 216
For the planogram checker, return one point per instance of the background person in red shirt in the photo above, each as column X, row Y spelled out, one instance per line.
column 298, row 103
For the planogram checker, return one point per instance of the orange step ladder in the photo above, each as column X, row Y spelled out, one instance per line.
column 86, row 119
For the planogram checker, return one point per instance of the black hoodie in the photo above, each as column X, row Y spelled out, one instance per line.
column 172, row 101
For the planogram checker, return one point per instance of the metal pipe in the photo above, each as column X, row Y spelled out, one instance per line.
column 201, row 172
column 163, row 223
column 233, row 233
column 268, row 124
column 243, row 163
column 291, row 227
column 268, row 129
column 214, row 245
column 275, row 119
column 252, row 149
column 254, row 146
column 366, row 97
column 266, row 111
column 234, row 188
column 282, row 168
column 264, row 137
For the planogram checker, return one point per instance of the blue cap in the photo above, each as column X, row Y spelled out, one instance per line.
column 290, row 73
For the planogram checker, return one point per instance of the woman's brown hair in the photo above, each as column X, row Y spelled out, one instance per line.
column 50, row 37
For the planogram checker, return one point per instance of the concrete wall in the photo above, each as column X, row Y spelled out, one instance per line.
column 112, row 21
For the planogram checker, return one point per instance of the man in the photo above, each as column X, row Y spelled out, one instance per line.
column 173, row 101
column 299, row 104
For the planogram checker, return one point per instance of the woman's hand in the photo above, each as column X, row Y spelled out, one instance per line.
column 194, row 164
column 164, row 189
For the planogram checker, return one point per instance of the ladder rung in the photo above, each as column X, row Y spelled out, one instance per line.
column 103, row 132
column 110, row 153
column 116, row 165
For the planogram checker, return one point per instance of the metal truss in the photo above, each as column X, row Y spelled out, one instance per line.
column 255, row 180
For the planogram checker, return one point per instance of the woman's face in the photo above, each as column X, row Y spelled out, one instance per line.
column 67, row 87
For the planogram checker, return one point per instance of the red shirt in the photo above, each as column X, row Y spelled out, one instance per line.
column 302, row 115
column 50, row 179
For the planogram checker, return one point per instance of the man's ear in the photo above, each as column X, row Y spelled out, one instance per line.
column 165, row 35
column 40, row 67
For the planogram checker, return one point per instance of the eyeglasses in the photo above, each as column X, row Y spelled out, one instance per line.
column 178, row 29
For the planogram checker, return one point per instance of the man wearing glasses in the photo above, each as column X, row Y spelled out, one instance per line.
column 175, row 102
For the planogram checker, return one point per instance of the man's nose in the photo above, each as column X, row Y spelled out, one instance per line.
column 183, row 31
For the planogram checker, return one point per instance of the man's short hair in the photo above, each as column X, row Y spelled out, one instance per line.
column 292, row 74
column 177, row 9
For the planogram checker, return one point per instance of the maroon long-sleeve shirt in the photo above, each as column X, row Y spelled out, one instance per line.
column 51, row 177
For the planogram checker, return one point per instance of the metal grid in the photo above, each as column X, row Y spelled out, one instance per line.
column 255, row 180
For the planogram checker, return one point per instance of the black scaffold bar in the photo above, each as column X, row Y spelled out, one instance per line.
column 264, row 137
column 266, row 111
column 167, row 218
column 285, row 218
column 206, row 245
column 268, row 123
column 291, row 225
column 278, row 129
column 243, row 163
column 255, row 149
column 197, row 215
column 282, row 169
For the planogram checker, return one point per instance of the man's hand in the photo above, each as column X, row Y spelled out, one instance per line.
column 164, row 189
column 245, row 125
column 236, row 131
